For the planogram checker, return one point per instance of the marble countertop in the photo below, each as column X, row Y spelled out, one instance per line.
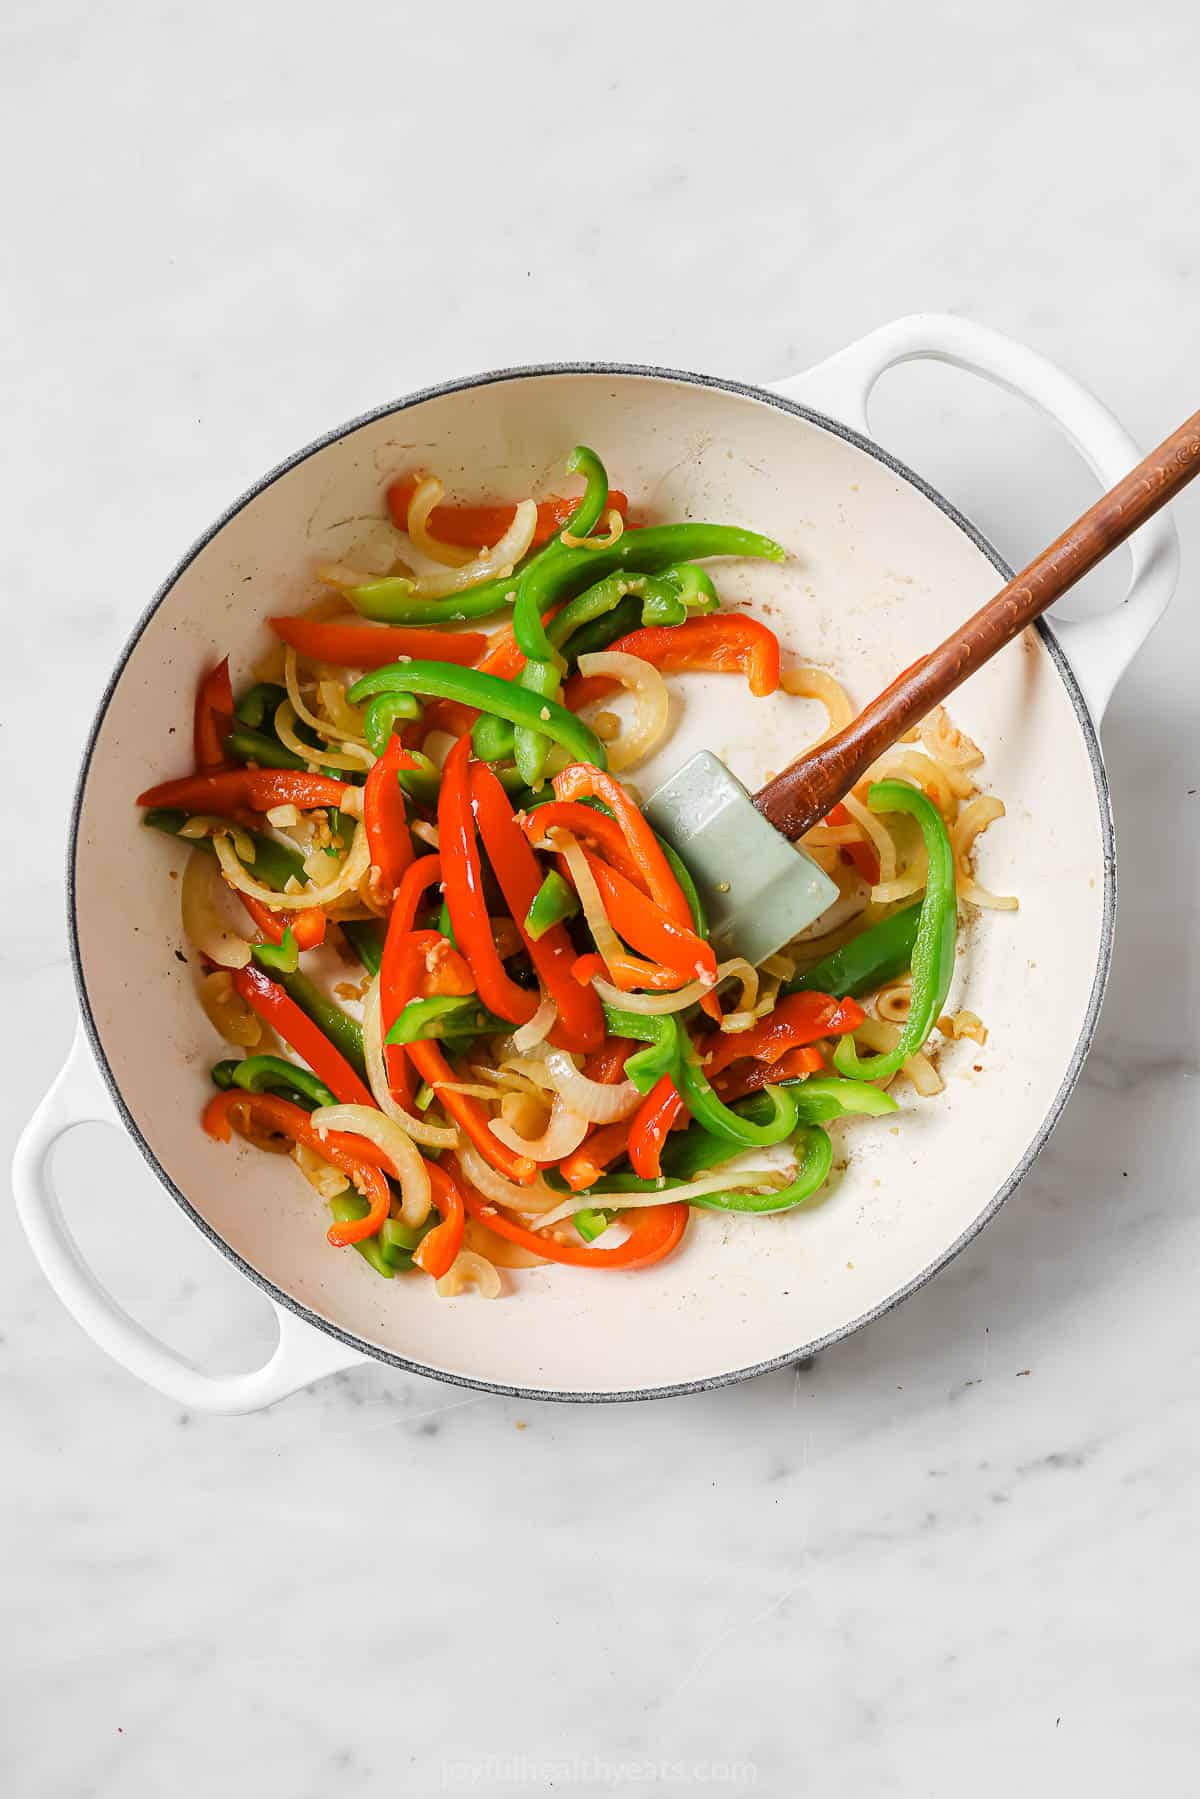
column 959, row 1552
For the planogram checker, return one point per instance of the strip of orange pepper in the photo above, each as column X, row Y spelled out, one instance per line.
column 386, row 821
column 307, row 927
column 435, row 1252
column 213, row 718
column 737, row 1082
column 596, row 828
column 862, row 855
column 654, row 1231
column 581, row 780
column 652, row 1124
column 718, row 643
column 648, row 928
column 587, row 1163
column 360, row 1160
column 233, row 790
column 420, row 875
column 462, row 880
column 473, row 527
column 373, row 646
column 434, row 1069
column 278, row 1009
column 579, row 1026
column 788, row 1026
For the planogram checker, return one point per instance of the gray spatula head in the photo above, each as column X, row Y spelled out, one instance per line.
column 758, row 889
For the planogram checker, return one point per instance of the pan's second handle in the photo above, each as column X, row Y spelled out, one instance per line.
column 302, row 1354
column 1100, row 649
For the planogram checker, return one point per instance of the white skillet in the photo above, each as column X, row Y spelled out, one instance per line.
column 880, row 563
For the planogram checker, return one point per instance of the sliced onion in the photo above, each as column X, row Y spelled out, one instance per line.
column 649, row 689
column 426, row 833
column 201, row 824
column 603, row 935
column 397, row 1146
column 686, row 996
column 877, row 1034
column 200, row 895
column 492, row 564
column 536, row 1197
column 739, row 1182
column 498, row 1250
column 615, row 526
column 328, row 1180
column 564, row 1132
column 876, row 834
column 535, row 1032
column 421, row 1130
column 973, row 819
column 279, row 816
column 351, row 873
column 817, row 684
column 593, row 1100
column 470, row 1271
column 227, row 1012
column 428, row 494
column 354, row 756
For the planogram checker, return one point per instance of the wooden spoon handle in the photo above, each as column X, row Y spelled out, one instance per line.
column 803, row 793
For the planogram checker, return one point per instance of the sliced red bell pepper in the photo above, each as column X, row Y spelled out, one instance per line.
column 213, row 719
column 587, row 1163
column 462, row 877
column 652, row 1124
column 398, row 974
column 373, row 646
column 862, row 855
column 278, row 1009
column 736, row 1082
column 234, row 790
column 800, row 1018
column 654, row 1232
column 580, row 1023
column 718, row 643
column 434, row 1069
column 355, row 1156
column 307, row 926
column 642, row 923
column 386, row 821
column 582, row 780
column 474, row 527
column 435, row 1252
column 595, row 828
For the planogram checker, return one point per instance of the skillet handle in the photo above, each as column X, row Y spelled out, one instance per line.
column 302, row 1354
column 1099, row 649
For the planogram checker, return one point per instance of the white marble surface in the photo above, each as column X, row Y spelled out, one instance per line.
column 959, row 1553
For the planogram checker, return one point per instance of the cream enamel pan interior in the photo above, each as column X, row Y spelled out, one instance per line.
column 878, row 568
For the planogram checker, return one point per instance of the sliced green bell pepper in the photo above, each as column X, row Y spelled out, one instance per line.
column 877, row 955
column 444, row 680
column 554, row 901
column 933, row 947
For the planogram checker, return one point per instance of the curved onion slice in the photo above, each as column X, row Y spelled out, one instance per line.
column 603, row 935
column 397, row 1146
column 973, row 819
column 428, row 494
column 565, row 1131
column 291, row 680
column 537, row 1197
column 352, row 872
column 469, row 1271
column 227, row 1011
column 434, row 1136
column 496, row 562
column 686, row 996
column 200, row 894
column 614, row 525
column 538, row 1027
column 739, row 1182
column 593, row 1100
column 355, row 756
column 653, row 704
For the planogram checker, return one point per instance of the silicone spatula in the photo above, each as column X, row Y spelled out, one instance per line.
column 759, row 891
